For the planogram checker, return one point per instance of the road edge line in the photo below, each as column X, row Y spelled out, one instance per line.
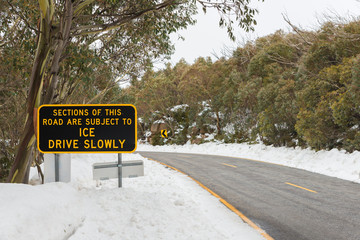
column 223, row 201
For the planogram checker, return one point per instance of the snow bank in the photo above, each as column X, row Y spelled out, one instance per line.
column 163, row 204
column 51, row 211
column 333, row 163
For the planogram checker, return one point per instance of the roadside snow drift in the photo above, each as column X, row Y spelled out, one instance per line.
column 333, row 163
column 163, row 204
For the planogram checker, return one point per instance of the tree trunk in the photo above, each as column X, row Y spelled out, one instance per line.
column 21, row 165
column 19, row 172
column 218, row 123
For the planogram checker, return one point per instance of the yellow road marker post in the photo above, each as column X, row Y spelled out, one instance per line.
column 164, row 133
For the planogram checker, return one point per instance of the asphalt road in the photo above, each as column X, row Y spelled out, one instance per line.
column 287, row 203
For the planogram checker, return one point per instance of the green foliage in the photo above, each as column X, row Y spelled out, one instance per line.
column 321, row 55
column 274, row 55
column 157, row 140
column 329, row 113
column 180, row 138
column 318, row 127
column 181, row 123
column 277, row 113
column 4, row 168
column 283, row 89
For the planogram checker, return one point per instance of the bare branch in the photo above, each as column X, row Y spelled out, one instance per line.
column 296, row 29
column 22, row 17
column 123, row 19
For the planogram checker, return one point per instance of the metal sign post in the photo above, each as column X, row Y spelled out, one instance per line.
column 108, row 170
column 119, row 170
column 57, row 168
column 57, row 177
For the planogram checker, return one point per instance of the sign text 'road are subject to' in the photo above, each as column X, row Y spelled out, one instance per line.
column 87, row 128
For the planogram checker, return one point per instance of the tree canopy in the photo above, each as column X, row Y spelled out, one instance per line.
column 76, row 51
column 285, row 89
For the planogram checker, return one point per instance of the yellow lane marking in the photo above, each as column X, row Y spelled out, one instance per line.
column 229, row 165
column 223, row 201
column 301, row 187
column 254, row 160
column 241, row 158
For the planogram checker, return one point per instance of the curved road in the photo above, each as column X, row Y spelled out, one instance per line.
column 288, row 203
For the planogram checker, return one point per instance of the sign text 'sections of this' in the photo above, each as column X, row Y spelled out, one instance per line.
column 87, row 128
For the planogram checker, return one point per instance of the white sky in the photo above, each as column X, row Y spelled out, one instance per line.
column 205, row 37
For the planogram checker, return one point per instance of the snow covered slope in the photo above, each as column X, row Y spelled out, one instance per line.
column 163, row 204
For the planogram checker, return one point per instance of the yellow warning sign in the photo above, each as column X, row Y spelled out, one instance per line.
column 87, row 128
column 164, row 133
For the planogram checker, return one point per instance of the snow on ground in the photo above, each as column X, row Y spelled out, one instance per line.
column 164, row 204
column 333, row 163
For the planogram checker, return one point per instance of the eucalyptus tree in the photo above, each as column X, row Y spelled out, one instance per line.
column 123, row 35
